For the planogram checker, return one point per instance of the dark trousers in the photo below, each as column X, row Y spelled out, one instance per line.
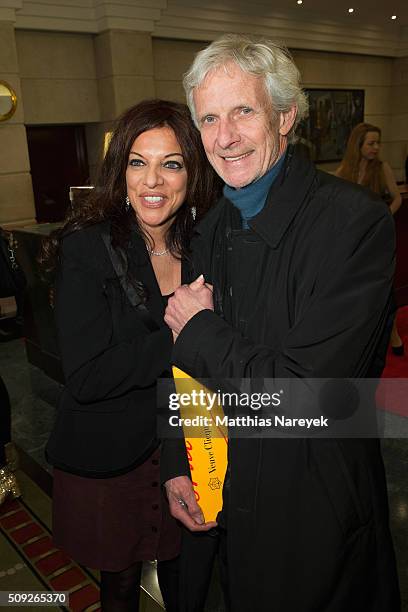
column 198, row 551
column 198, row 554
column 223, row 565
column 168, row 577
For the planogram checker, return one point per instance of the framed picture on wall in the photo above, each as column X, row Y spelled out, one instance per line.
column 332, row 115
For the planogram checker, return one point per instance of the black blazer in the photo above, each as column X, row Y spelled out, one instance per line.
column 106, row 421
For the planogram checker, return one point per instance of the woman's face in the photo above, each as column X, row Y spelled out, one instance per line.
column 156, row 178
column 371, row 146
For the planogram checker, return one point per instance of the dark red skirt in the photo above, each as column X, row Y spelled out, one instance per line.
column 110, row 523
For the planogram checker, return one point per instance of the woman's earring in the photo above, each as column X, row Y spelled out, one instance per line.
column 193, row 212
column 127, row 204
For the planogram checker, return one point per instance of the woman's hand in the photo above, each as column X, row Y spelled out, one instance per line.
column 392, row 188
column 187, row 301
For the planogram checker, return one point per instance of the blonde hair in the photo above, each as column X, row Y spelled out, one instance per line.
column 259, row 57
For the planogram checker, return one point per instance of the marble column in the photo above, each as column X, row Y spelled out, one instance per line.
column 399, row 117
column 16, row 192
column 125, row 76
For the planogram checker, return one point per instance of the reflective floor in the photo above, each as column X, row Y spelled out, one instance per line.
column 34, row 397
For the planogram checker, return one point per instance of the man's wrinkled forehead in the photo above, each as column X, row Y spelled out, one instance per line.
column 239, row 87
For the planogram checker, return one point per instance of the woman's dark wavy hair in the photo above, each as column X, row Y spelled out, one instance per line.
column 107, row 200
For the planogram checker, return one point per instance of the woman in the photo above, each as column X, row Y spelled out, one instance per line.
column 119, row 258
column 361, row 164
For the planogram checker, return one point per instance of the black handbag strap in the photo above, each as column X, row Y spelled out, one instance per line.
column 130, row 291
column 9, row 241
column 12, row 278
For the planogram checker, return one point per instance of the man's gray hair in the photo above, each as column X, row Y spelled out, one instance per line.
column 259, row 57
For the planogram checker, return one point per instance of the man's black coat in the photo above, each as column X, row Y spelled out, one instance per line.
column 304, row 293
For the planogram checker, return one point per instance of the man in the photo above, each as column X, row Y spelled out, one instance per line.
column 301, row 264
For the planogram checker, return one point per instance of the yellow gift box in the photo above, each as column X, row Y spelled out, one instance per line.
column 206, row 444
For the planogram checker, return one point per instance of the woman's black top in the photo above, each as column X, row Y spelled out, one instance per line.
column 106, row 420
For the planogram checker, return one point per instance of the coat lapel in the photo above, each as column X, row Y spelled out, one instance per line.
column 284, row 199
column 141, row 269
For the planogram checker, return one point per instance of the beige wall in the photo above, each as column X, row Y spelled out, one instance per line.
column 399, row 115
column 318, row 69
column 124, row 66
column 56, row 84
column 76, row 78
column 171, row 60
column 125, row 75
column 346, row 71
column 16, row 194
column 90, row 79
column 58, row 78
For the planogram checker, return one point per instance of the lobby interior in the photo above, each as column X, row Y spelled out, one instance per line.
column 74, row 66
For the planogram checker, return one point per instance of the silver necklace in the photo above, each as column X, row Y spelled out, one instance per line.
column 157, row 253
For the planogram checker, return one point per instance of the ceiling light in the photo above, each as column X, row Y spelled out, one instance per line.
column 300, row 1
column 351, row 10
column 393, row 17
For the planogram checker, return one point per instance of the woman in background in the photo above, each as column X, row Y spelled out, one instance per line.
column 361, row 164
column 119, row 258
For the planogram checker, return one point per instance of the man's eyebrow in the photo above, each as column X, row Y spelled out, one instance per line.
column 236, row 108
column 208, row 114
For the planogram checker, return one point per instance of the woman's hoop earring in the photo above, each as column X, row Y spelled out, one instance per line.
column 194, row 212
column 127, row 204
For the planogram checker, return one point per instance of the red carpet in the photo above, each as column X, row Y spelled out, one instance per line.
column 31, row 538
column 392, row 395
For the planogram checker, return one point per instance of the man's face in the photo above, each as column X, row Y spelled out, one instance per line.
column 235, row 119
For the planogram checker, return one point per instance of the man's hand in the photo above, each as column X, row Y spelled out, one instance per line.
column 186, row 302
column 183, row 505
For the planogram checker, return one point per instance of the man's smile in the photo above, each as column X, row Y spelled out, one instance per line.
column 235, row 158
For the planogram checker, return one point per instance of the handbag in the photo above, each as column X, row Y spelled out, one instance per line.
column 12, row 277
